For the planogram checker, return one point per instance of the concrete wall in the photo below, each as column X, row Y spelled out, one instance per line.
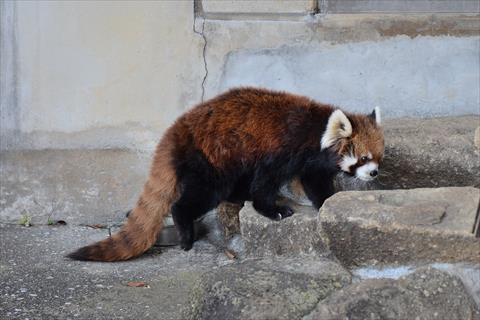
column 116, row 74
column 118, row 69
column 425, row 76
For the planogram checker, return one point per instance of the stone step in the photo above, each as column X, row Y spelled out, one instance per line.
column 291, row 236
column 402, row 226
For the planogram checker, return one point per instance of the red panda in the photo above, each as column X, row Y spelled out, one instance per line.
column 243, row 145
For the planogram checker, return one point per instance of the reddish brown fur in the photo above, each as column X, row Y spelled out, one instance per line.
column 240, row 125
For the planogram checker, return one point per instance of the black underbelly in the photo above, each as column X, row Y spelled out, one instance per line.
column 241, row 189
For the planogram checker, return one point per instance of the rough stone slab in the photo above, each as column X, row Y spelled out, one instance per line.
column 293, row 235
column 280, row 288
column 401, row 226
column 425, row 294
column 469, row 273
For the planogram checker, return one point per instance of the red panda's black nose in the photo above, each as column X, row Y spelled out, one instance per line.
column 374, row 173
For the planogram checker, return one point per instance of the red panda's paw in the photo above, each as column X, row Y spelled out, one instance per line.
column 186, row 245
column 283, row 212
column 186, row 237
column 272, row 211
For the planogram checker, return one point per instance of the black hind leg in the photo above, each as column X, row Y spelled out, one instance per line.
column 195, row 201
column 184, row 224
column 200, row 192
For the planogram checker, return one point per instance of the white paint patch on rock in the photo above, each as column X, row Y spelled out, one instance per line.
column 383, row 272
column 424, row 76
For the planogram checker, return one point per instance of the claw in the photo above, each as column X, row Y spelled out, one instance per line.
column 287, row 212
column 279, row 216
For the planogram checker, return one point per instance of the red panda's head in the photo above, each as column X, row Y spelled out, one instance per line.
column 358, row 140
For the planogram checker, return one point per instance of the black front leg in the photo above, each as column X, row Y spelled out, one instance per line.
column 318, row 186
column 264, row 191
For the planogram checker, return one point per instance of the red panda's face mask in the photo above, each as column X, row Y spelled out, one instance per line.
column 358, row 140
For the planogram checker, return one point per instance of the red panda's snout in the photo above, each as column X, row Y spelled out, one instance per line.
column 367, row 172
column 365, row 168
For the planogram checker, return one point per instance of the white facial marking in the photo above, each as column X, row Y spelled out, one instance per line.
column 348, row 161
column 363, row 172
column 369, row 156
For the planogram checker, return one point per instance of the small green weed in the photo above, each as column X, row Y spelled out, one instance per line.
column 25, row 220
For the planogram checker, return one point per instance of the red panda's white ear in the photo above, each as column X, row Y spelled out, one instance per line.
column 338, row 127
column 375, row 115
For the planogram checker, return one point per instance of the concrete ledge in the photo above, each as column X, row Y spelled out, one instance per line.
column 402, row 226
column 77, row 186
column 258, row 6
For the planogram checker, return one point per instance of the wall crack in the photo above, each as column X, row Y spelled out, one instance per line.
column 204, row 50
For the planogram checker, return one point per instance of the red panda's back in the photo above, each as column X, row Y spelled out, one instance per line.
column 246, row 124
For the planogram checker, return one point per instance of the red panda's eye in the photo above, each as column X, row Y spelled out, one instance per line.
column 364, row 159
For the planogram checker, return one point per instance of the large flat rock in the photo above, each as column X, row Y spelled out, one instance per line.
column 291, row 236
column 401, row 226
column 425, row 294
column 278, row 288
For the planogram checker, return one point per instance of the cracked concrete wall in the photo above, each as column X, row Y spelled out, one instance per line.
column 117, row 74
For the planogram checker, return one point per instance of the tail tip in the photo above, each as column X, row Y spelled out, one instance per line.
column 80, row 254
